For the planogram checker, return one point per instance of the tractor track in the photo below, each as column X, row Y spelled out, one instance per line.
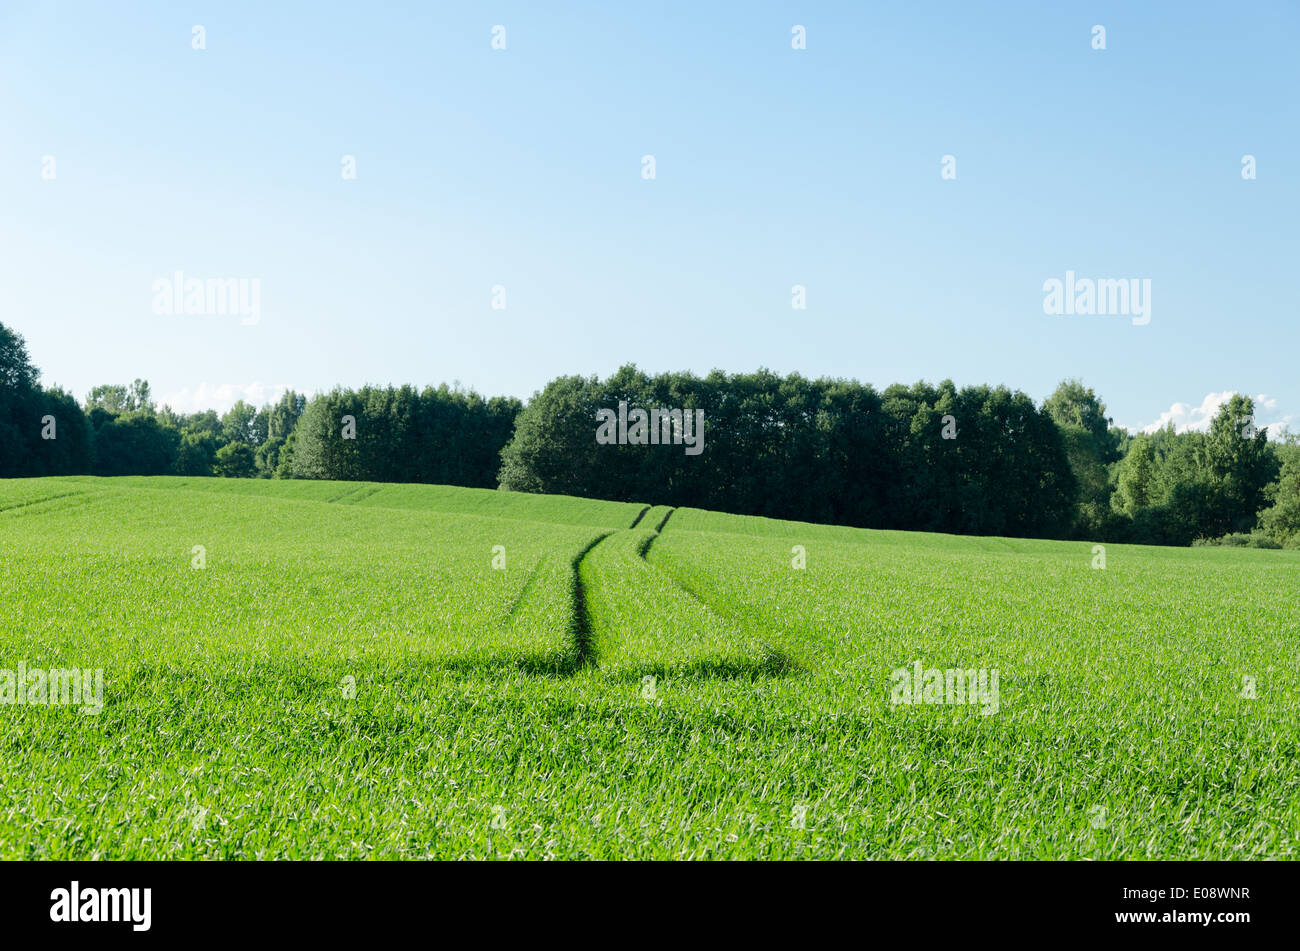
column 580, row 625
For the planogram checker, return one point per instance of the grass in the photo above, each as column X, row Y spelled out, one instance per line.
column 632, row 683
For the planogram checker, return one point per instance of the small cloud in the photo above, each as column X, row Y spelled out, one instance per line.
column 1275, row 429
column 222, row 396
column 1188, row 418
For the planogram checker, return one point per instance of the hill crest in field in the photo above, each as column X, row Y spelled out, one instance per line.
column 488, row 503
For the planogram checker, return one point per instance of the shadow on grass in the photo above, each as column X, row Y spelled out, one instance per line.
column 770, row 663
column 553, row 664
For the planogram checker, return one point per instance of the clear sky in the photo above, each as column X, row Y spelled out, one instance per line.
column 774, row 167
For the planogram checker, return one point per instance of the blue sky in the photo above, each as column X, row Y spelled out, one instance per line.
column 774, row 167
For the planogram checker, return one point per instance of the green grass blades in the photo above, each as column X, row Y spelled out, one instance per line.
column 1146, row 695
column 349, row 670
column 642, row 625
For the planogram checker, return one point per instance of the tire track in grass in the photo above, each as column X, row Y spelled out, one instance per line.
column 28, row 506
column 352, row 497
column 773, row 657
column 509, row 616
column 639, row 515
column 543, row 632
column 580, row 626
column 663, row 629
column 344, row 495
column 580, row 629
column 643, row 551
column 641, row 622
column 650, row 539
column 579, row 632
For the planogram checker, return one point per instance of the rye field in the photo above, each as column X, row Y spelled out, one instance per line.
column 338, row 670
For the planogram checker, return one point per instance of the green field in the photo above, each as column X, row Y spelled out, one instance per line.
column 348, row 676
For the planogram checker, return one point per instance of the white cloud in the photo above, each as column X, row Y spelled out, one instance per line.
column 1291, row 422
column 221, row 396
column 1188, row 418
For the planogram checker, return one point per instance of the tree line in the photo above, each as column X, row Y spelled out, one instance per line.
column 441, row 435
column 975, row 460
column 971, row 460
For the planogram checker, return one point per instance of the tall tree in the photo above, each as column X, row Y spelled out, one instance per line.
column 115, row 398
column 1091, row 446
column 1238, row 463
column 240, row 424
column 16, row 369
column 1281, row 520
column 18, row 386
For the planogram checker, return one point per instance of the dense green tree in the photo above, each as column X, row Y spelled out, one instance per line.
column 1091, row 446
column 239, row 424
column 284, row 468
column 69, row 449
column 235, row 460
column 197, row 454
column 554, row 446
column 109, row 398
column 135, row 444
column 205, row 422
column 1178, row 487
column 400, row 435
column 327, row 446
column 1136, row 485
column 1238, row 464
column 18, row 387
column 1280, row 520
column 282, row 418
column 42, row 431
column 117, row 399
column 268, row 457
column 17, row 372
